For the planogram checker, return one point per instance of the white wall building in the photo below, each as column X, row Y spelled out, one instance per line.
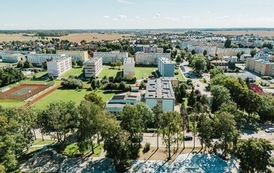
column 230, row 58
column 39, row 59
column 129, row 65
column 59, row 66
column 109, row 57
column 245, row 56
column 160, row 91
column 77, row 55
column 149, row 58
column 93, row 67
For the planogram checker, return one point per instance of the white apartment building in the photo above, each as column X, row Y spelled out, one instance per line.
column 39, row 59
column 93, row 67
column 232, row 51
column 129, row 65
column 230, row 58
column 245, row 56
column 77, row 55
column 109, row 57
column 211, row 50
column 59, row 66
column 149, row 58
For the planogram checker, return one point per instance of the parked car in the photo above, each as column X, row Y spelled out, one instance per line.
column 269, row 130
column 188, row 138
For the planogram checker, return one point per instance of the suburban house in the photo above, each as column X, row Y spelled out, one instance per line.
column 77, row 55
column 160, row 91
column 166, row 67
column 93, row 67
column 142, row 58
column 129, row 65
column 118, row 101
column 109, row 57
column 59, row 66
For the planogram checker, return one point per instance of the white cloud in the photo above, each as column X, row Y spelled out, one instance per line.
column 122, row 16
column 106, row 16
column 137, row 17
column 157, row 15
column 124, row 1
column 114, row 19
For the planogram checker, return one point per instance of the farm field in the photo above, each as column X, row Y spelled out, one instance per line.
column 143, row 72
column 16, row 37
column 262, row 33
column 68, row 95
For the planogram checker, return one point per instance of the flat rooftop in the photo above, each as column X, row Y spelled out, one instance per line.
column 159, row 88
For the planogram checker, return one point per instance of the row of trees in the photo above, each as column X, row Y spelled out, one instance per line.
column 10, row 76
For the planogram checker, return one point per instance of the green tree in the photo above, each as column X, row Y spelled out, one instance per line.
column 205, row 52
column 157, row 110
column 94, row 98
column 119, row 63
column 268, row 45
column 178, row 59
column 254, row 154
column 227, row 43
column 205, row 130
column 193, row 121
column 170, row 127
column 27, row 64
column 80, row 63
column 253, row 52
column 199, row 64
column 20, row 64
column 214, row 72
column 180, row 92
column 220, row 95
column 231, row 65
column 73, row 62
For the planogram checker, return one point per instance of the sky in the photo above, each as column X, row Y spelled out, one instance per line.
column 135, row 14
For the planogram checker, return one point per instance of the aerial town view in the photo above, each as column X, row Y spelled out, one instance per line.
column 136, row 86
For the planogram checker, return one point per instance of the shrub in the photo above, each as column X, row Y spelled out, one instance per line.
column 176, row 72
column 146, row 148
column 72, row 83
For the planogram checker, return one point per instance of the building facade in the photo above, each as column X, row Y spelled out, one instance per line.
column 160, row 91
column 166, row 67
column 233, row 59
column 93, row 67
column 109, row 57
column 77, row 55
column 38, row 59
column 129, row 65
column 148, row 48
column 12, row 57
column 59, row 66
column 260, row 66
column 142, row 58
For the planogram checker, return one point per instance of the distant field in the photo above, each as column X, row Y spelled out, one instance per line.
column 262, row 33
column 70, row 37
column 93, row 37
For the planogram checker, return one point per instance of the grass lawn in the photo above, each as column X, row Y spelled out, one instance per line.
column 43, row 142
column 143, row 72
column 179, row 76
column 74, row 71
column 11, row 103
column 68, row 95
column 73, row 149
column 109, row 71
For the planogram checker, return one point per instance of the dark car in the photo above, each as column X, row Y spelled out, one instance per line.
column 188, row 138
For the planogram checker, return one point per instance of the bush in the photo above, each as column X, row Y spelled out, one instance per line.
column 72, row 83
column 176, row 73
column 146, row 148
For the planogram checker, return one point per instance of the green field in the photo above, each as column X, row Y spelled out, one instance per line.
column 68, row 95
column 108, row 71
column 11, row 103
column 143, row 72
column 74, row 71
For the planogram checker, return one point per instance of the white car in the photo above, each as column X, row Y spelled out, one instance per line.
column 269, row 130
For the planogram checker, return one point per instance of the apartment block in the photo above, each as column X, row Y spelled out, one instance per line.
column 148, row 48
column 230, row 58
column 245, row 56
column 9, row 57
column 129, row 65
column 231, row 51
column 260, row 66
column 220, row 64
column 142, row 58
column 59, row 66
column 166, row 67
column 77, row 55
column 160, row 91
column 109, row 57
column 93, row 67
column 39, row 59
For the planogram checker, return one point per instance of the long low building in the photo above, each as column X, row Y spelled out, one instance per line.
column 39, row 59
column 77, row 55
column 93, row 67
column 12, row 57
column 260, row 66
column 109, row 57
column 59, row 66
column 142, row 58
column 160, row 91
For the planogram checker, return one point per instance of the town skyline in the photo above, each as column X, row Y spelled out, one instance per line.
column 133, row 14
